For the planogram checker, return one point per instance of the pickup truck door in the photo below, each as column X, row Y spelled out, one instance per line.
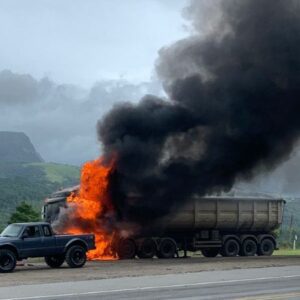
column 32, row 242
column 49, row 242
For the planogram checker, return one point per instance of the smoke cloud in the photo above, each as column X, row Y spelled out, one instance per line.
column 233, row 108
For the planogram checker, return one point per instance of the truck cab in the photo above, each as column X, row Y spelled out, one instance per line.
column 55, row 201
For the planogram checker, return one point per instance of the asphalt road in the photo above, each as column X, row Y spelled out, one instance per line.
column 257, row 283
column 39, row 273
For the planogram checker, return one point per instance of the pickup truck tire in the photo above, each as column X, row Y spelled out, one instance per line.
column 54, row 261
column 76, row 256
column 8, row 261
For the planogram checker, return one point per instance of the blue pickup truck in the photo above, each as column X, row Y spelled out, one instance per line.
column 22, row 240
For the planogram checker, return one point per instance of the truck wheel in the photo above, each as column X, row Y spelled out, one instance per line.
column 266, row 247
column 210, row 252
column 126, row 249
column 76, row 256
column 230, row 248
column 54, row 261
column 249, row 248
column 8, row 261
column 147, row 249
column 167, row 248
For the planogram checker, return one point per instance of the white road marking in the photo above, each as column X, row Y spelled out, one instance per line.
column 153, row 287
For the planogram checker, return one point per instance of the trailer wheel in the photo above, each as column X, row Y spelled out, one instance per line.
column 8, row 261
column 266, row 247
column 210, row 252
column 147, row 248
column 54, row 261
column 167, row 248
column 126, row 249
column 76, row 256
column 230, row 248
column 249, row 248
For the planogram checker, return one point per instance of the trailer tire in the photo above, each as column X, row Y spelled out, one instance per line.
column 230, row 248
column 126, row 249
column 266, row 247
column 55, row 261
column 210, row 252
column 167, row 248
column 147, row 248
column 76, row 256
column 8, row 261
column 249, row 248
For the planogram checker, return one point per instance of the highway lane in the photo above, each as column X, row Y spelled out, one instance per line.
column 39, row 272
column 261, row 283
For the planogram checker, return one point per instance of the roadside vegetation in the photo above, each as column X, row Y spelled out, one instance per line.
column 287, row 252
column 289, row 233
column 31, row 183
column 24, row 213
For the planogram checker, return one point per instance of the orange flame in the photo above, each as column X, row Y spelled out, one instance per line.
column 91, row 205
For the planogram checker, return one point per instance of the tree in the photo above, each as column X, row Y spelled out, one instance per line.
column 24, row 213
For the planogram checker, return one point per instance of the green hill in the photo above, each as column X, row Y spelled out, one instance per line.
column 17, row 147
column 31, row 182
column 58, row 173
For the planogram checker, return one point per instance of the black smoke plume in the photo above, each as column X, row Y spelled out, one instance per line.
column 233, row 108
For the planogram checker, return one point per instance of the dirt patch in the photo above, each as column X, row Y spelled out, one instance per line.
column 38, row 272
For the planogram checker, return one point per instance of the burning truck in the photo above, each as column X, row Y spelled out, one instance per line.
column 224, row 225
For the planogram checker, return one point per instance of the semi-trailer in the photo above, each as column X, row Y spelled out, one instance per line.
column 225, row 225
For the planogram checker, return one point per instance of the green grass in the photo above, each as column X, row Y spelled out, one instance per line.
column 58, row 172
column 287, row 252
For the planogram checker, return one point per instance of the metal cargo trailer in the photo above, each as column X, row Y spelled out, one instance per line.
column 227, row 214
column 227, row 226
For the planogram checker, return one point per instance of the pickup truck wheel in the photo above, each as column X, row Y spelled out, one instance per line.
column 8, row 261
column 54, row 261
column 76, row 256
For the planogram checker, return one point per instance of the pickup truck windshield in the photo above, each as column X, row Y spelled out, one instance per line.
column 12, row 230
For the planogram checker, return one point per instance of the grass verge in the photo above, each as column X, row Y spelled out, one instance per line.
column 287, row 252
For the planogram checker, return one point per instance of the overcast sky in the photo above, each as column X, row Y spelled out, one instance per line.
column 82, row 41
column 64, row 63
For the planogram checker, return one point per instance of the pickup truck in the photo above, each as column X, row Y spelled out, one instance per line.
column 22, row 240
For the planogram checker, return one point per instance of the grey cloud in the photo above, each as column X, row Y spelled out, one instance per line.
column 17, row 89
column 60, row 119
column 81, row 41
